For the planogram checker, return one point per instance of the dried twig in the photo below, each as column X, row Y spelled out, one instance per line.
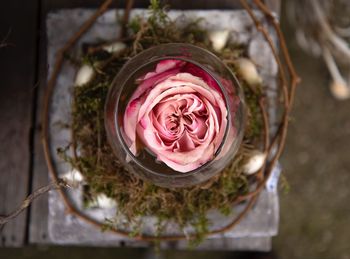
column 25, row 204
column 126, row 16
column 138, row 37
column 288, row 90
column 294, row 78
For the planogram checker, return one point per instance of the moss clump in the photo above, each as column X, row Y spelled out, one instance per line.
column 105, row 174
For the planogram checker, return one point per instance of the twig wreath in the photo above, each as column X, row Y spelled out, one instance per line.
column 136, row 198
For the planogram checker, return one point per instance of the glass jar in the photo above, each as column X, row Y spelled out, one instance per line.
column 131, row 94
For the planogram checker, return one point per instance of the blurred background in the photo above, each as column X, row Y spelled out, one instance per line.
column 315, row 213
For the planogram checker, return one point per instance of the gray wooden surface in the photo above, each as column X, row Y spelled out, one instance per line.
column 23, row 78
column 18, row 85
column 39, row 210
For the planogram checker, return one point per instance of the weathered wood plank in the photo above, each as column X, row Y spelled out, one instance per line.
column 18, row 19
column 39, row 209
column 38, row 225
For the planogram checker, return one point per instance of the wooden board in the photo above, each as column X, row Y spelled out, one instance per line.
column 39, row 209
column 18, row 19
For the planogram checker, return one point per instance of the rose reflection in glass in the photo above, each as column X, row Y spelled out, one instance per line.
column 175, row 115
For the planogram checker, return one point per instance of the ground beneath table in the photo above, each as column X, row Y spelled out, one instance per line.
column 315, row 215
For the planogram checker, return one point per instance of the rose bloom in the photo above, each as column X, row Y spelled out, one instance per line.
column 179, row 113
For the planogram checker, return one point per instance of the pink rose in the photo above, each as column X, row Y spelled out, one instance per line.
column 179, row 113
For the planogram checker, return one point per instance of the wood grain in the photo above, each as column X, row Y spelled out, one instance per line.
column 38, row 225
column 38, row 232
column 18, row 67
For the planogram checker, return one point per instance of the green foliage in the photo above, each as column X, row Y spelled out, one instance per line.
column 284, row 184
column 158, row 16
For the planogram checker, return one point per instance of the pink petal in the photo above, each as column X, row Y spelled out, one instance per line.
column 165, row 135
column 199, row 85
column 129, row 123
column 199, row 72
column 165, row 65
column 147, row 84
column 198, row 156
column 187, row 161
column 173, row 86
column 162, row 90
column 185, row 143
column 198, row 129
column 183, row 168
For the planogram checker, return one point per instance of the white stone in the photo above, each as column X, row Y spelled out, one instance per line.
column 247, row 69
column 114, row 47
column 219, row 39
column 73, row 178
column 104, row 202
column 254, row 163
column 84, row 75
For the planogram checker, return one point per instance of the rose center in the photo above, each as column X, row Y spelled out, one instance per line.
column 180, row 120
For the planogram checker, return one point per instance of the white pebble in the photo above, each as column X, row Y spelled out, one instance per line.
column 219, row 39
column 104, row 202
column 114, row 47
column 340, row 90
column 84, row 75
column 254, row 162
column 73, row 178
column 247, row 69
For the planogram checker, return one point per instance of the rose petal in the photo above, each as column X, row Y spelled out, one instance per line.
column 181, row 83
column 150, row 82
column 201, row 86
column 179, row 160
column 201, row 73
column 130, row 121
column 198, row 130
column 165, row 65
column 185, row 143
column 185, row 162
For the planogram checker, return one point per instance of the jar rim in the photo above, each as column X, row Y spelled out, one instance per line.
column 118, row 125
